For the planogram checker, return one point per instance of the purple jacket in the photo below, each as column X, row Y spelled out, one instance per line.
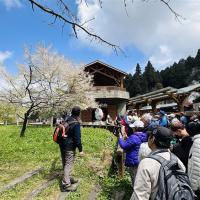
column 131, row 146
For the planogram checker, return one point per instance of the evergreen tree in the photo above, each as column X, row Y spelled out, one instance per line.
column 137, row 81
column 151, row 77
column 178, row 75
column 128, row 84
column 197, row 58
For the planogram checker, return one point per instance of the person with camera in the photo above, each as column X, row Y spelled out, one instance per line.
column 131, row 146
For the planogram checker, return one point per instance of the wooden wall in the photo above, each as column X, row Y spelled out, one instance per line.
column 86, row 115
column 112, row 111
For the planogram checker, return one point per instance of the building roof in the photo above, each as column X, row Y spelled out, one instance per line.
column 162, row 94
column 188, row 88
column 159, row 106
column 109, row 66
column 155, row 95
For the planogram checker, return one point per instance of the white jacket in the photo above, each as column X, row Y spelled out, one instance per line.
column 146, row 180
column 144, row 151
column 194, row 163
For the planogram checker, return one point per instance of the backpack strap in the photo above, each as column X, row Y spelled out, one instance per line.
column 63, row 129
column 72, row 122
column 154, row 155
column 164, row 162
column 158, row 158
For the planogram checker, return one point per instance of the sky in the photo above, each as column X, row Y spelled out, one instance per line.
column 145, row 31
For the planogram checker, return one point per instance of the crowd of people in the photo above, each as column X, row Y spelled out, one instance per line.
column 162, row 153
column 158, row 146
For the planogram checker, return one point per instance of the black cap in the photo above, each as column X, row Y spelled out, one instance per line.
column 76, row 110
column 162, row 136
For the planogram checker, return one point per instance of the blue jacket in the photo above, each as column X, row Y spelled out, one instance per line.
column 163, row 121
column 131, row 146
column 183, row 120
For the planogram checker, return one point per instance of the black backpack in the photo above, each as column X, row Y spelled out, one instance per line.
column 173, row 182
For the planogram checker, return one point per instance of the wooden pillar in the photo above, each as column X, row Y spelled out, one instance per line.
column 137, row 107
column 181, row 107
column 122, row 83
column 153, row 105
column 180, row 104
column 120, row 161
column 181, row 101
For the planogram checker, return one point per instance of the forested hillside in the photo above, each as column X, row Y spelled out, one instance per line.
column 180, row 74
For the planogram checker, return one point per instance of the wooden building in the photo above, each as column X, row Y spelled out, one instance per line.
column 168, row 94
column 108, row 89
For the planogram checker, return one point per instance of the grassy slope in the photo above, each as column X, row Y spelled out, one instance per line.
column 19, row 155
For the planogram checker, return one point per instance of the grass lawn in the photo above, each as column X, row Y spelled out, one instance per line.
column 36, row 149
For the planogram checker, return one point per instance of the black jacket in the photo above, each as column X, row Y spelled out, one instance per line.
column 182, row 149
column 73, row 139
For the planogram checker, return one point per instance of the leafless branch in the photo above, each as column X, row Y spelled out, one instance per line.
column 29, row 83
column 125, row 6
column 20, row 116
column 67, row 10
column 75, row 25
column 177, row 15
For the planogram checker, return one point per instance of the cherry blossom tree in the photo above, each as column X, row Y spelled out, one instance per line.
column 46, row 82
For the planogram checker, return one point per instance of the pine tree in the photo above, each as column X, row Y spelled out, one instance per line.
column 152, row 77
column 137, row 81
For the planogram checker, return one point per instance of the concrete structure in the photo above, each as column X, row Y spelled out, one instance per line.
column 108, row 90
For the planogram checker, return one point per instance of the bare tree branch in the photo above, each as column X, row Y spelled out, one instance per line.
column 75, row 25
column 67, row 17
column 177, row 16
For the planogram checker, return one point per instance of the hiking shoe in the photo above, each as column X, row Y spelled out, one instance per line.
column 73, row 181
column 69, row 188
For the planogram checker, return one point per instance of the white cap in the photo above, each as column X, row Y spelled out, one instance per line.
column 137, row 124
column 172, row 115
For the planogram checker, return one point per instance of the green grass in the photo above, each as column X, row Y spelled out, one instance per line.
column 36, row 149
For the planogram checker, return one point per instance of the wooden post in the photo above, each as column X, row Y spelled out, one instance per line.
column 120, row 161
column 51, row 121
column 122, row 82
column 137, row 107
column 153, row 105
column 180, row 106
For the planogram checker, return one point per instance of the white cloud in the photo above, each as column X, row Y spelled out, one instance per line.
column 150, row 27
column 163, row 56
column 11, row 4
column 5, row 55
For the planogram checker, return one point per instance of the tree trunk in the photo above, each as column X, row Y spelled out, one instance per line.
column 51, row 121
column 17, row 121
column 22, row 133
